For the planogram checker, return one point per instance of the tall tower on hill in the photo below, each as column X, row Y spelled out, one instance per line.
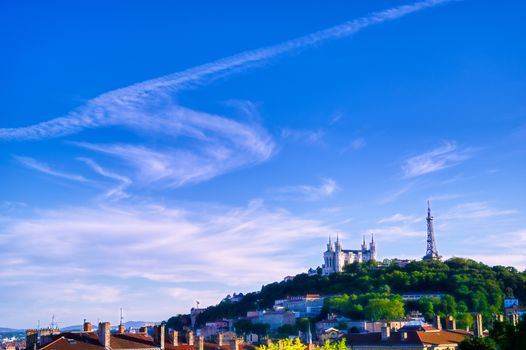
column 431, row 252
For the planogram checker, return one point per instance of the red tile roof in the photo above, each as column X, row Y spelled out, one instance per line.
column 433, row 337
column 90, row 341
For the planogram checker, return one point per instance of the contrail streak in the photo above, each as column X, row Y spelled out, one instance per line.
column 112, row 108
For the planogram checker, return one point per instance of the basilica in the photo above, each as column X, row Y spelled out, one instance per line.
column 335, row 258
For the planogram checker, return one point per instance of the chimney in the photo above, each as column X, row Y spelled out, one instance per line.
column 268, row 342
column 143, row 330
column 104, row 334
column 386, row 333
column 174, row 338
column 403, row 336
column 200, row 345
column 120, row 329
column 436, row 322
column 234, row 343
column 514, row 319
column 190, row 338
column 158, row 335
column 220, row 339
column 450, row 323
column 87, row 326
column 478, row 332
column 31, row 339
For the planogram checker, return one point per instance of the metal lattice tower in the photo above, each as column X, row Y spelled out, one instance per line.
column 431, row 252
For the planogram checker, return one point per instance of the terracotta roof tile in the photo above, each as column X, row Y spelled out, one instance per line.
column 434, row 337
column 90, row 341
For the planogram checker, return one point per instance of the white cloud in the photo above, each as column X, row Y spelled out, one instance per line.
column 398, row 218
column 306, row 136
column 308, row 192
column 475, row 210
column 114, row 107
column 354, row 145
column 46, row 169
column 148, row 107
column 395, row 233
column 115, row 192
column 437, row 159
column 158, row 247
column 247, row 108
column 515, row 260
column 391, row 197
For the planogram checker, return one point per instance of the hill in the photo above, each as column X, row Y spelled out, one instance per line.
column 10, row 330
column 366, row 289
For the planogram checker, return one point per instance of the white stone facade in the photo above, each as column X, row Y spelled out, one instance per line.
column 335, row 258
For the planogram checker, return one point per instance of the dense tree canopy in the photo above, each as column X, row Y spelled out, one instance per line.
column 468, row 287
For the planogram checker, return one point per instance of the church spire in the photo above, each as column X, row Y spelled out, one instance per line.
column 338, row 246
column 329, row 245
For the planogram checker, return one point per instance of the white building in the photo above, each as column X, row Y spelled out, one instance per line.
column 335, row 258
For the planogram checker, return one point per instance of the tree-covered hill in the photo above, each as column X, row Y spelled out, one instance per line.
column 364, row 288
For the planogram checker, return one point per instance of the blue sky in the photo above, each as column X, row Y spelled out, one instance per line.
column 154, row 154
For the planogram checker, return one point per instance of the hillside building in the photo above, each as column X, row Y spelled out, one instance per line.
column 336, row 258
column 104, row 339
column 412, row 336
column 308, row 305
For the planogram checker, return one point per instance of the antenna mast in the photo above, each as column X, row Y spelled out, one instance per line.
column 431, row 252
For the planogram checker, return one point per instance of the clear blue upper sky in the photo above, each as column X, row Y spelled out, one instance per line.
column 204, row 148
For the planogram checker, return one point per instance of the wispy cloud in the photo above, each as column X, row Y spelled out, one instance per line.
column 392, row 196
column 308, row 192
column 305, row 136
column 395, row 232
column 141, row 244
column 116, row 192
column 396, row 218
column 354, row 145
column 335, row 118
column 445, row 197
column 437, row 159
column 475, row 210
column 111, row 108
column 46, row 169
column 219, row 145
column 247, row 108
column 148, row 107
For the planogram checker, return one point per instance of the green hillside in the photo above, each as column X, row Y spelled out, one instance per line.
column 372, row 292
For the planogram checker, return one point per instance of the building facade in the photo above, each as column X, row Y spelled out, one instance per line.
column 308, row 305
column 335, row 258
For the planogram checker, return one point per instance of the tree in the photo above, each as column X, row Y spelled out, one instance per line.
column 243, row 326
column 339, row 345
column 509, row 337
column 261, row 329
column 474, row 343
column 286, row 330
column 303, row 324
column 284, row 344
column 384, row 309
column 178, row 322
column 464, row 319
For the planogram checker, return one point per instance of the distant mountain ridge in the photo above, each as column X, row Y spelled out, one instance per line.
column 10, row 330
column 79, row 327
column 128, row 324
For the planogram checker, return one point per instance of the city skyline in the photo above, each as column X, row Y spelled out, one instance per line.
column 155, row 155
